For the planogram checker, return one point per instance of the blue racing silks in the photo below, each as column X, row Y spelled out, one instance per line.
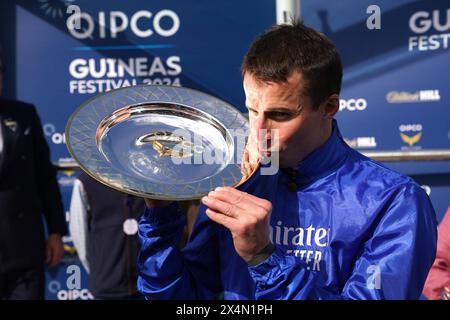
column 354, row 229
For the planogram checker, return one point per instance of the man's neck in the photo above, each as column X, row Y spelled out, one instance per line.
column 324, row 136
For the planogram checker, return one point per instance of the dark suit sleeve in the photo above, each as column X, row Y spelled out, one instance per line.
column 48, row 188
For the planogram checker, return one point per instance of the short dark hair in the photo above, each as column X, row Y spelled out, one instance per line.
column 274, row 55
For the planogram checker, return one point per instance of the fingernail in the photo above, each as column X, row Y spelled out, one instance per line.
column 205, row 199
column 212, row 193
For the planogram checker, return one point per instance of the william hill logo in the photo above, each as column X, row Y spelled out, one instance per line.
column 411, row 135
column 418, row 96
column 361, row 142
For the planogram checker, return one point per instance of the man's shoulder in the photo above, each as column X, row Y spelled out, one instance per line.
column 381, row 191
column 16, row 105
column 377, row 175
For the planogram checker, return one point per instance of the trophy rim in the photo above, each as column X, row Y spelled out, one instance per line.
column 126, row 189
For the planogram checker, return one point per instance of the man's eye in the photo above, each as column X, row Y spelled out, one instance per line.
column 278, row 115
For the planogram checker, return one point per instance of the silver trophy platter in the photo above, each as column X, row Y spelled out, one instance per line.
column 159, row 142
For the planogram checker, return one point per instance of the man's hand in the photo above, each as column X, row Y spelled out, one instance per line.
column 251, row 157
column 246, row 216
column 55, row 249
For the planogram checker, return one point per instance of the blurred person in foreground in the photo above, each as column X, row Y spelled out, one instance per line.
column 437, row 286
column 103, row 225
column 29, row 191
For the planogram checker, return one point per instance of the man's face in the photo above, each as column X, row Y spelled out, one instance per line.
column 281, row 107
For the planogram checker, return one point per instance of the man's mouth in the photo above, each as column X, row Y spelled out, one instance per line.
column 265, row 148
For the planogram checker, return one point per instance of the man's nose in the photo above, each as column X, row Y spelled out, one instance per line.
column 262, row 128
column 261, row 122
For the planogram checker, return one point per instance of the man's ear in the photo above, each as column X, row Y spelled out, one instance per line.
column 330, row 106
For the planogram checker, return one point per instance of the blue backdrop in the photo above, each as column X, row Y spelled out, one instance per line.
column 396, row 81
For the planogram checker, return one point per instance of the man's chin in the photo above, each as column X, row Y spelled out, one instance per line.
column 285, row 163
column 269, row 156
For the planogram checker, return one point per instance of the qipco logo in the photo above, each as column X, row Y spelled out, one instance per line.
column 142, row 24
column 410, row 127
column 82, row 294
column 56, row 137
column 353, row 104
